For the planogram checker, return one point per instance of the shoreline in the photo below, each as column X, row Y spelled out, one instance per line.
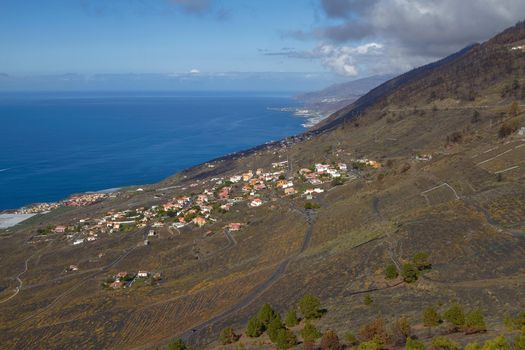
column 312, row 119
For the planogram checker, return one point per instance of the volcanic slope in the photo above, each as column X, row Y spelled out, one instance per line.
column 451, row 183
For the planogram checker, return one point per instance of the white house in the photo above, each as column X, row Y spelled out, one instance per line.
column 235, row 178
column 257, row 202
column 321, row 168
column 143, row 274
column 288, row 184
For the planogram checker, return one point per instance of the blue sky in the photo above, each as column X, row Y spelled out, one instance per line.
column 74, row 36
column 310, row 43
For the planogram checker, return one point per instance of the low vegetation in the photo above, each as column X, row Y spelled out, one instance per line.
column 375, row 335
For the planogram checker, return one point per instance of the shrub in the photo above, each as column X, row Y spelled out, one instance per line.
column 228, row 336
column 370, row 345
column 498, row 343
column 330, row 341
column 338, row 181
column 255, row 327
column 421, row 260
column 375, row 330
column 431, row 318
column 266, row 314
column 414, row 345
column 178, row 345
column 309, row 332
column 515, row 323
column 351, row 339
column 309, row 344
column 274, row 327
column 443, row 343
column 409, row 273
column 405, row 167
column 291, row 318
column 474, row 322
column 285, row 339
column 401, row 330
column 391, row 272
column 310, row 306
column 367, row 300
column 508, row 128
column 310, row 205
column 455, row 316
column 472, row 346
column 519, row 341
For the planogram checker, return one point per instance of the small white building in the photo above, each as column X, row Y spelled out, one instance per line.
column 235, row 178
column 257, row 202
column 78, row 241
column 143, row 274
column 288, row 184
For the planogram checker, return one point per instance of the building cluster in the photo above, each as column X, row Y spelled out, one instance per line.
column 424, row 157
column 124, row 279
column 73, row 201
column 84, row 199
column 252, row 188
column 37, row 208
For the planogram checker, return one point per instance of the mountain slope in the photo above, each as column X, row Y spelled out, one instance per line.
column 337, row 96
column 451, row 184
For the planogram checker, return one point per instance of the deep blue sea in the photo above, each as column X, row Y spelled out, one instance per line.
column 56, row 144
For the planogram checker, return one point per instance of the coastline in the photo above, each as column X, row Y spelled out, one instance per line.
column 161, row 148
column 313, row 117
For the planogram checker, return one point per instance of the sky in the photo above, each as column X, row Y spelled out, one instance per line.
column 294, row 43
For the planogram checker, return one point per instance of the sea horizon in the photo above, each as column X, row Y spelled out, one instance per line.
column 126, row 138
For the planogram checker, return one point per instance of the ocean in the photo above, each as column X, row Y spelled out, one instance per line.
column 56, row 144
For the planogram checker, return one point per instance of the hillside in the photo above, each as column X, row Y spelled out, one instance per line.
column 412, row 197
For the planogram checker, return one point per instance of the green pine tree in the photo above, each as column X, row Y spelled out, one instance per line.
column 255, row 327
column 285, row 339
column 474, row 322
column 291, row 318
column 310, row 306
column 266, row 314
column 274, row 327
column 455, row 316
column 309, row 332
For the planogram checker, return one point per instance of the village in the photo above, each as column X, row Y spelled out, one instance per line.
column 73, row 201
column 218, row 195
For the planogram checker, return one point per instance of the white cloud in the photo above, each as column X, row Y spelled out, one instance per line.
column 195, row 71
column 402, row 34
column 343, row 60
